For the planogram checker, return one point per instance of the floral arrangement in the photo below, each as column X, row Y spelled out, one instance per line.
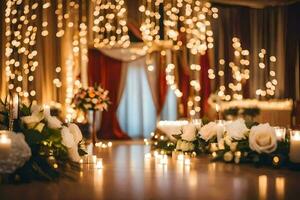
column 91, row 98
column 42, row 147
column 232, row 141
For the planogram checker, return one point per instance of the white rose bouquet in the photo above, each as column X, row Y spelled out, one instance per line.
column 54, row 147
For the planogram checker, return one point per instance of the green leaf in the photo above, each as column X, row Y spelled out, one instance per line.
column 33, row 137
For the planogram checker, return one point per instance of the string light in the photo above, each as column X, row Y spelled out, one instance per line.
column 110, row 24
column 193, row 19
column 21, row 32
column 269, row 87
column 150, row 21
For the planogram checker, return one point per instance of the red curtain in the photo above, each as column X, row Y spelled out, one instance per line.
column 205, row 83
column 184, row 86
column 106, row 71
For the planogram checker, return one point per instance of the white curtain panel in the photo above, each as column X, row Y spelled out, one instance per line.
column 136, row 112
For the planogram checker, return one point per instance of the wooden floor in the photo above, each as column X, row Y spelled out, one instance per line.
column 127, row 175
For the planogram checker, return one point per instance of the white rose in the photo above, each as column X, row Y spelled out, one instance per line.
column 94, row 101
column 73, row 153
column 32, row 120
column 67, row 137
column 208, row 131
column 53, row 122
column 237, row 129
column 262, row 138
column 189, row 132
column 35, row 109
column 76, row 132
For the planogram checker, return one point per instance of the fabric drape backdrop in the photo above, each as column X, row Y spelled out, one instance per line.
column 137, row 112
column 108, row 73
column 271, row 28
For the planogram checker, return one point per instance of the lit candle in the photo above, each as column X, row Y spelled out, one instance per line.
column 295, row 146
column 15, row 106
column 280, row 133
column 220, row 129
column 164, row 160
column 5, row 143
column 109, row 144
column 99, row 163
column 187, row 161
column 180, row 157
column 218, row 111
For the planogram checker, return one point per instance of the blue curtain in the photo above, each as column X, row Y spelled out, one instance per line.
column 169, row 111
column 136, row 112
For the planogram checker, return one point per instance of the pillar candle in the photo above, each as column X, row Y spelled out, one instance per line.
column 5, row 144
column 295, row 146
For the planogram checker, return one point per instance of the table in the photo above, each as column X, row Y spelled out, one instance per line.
column 128, row 175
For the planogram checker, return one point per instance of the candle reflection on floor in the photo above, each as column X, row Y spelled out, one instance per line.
column 262, row 187
column 280, row 187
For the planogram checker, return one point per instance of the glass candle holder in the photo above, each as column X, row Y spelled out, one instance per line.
column 280, row 133
column 295, row 146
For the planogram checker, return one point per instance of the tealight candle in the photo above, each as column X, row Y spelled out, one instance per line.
column 280, row 133
column 99, row 163
column 180, row 157
column 187, row 161
column 164, row 160
column 220, row 129
column 5, row 144
column 295, row 146
column 109, row 144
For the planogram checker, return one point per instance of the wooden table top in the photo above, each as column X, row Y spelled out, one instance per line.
column 128, row 175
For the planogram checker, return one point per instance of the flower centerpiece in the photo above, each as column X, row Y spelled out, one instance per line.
column 91, row 99
column 42, row 147
column 240, row 142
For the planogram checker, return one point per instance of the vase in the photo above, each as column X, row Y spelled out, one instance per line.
column 94, row 119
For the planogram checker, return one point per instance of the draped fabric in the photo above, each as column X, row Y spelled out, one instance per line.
column 157, row 80
column 271, row 28
column 205, row 83
column 107, row 72
column 184, row 86
column 137, row 112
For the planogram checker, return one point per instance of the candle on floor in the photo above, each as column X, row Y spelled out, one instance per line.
column 164, row 160
column 295, row 146
column 99, row 163
column 187, row 161
column 280, row 133
column 180, row 157
column 109, row 144
column 5, row 143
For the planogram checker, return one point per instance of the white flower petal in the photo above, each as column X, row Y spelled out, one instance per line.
column 76, row 132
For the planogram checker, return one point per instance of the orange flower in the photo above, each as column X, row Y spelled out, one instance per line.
column 92, row 94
